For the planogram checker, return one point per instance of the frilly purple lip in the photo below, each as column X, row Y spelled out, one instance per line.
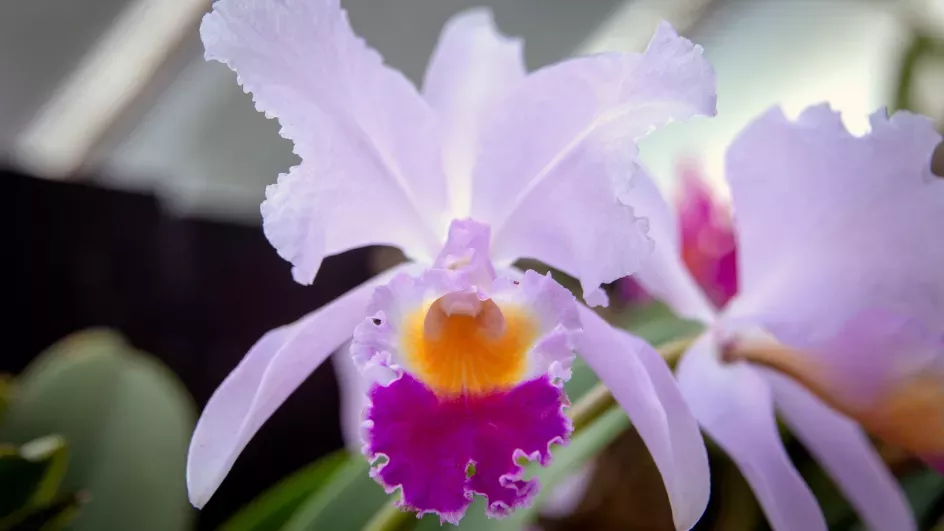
column 426, row 445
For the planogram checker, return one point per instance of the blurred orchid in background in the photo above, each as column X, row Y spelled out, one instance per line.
column 707, row 241
column 707, row 237
column 834, row 231
column 488, row 165
column 884, row 369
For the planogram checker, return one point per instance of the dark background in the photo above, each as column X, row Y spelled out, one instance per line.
column 196, row 294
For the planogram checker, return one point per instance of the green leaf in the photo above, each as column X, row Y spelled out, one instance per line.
column 737, row 508
column 30, row 476
column 6, row 389
column 54, row 516
column 581, row 449
column 127, row 421
column 582, row 380
column 922, row 51
column 474, row 519
column 655, row 323
column 347, row 502
column 925, row 492
column 839, row 514
column 277, row 505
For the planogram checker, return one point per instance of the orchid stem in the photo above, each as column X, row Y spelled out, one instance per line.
column 596, row 402
column 671, row 351
column 391, row 518
column 584, row 412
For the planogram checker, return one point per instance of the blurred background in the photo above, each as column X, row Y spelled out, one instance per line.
column 137, row 170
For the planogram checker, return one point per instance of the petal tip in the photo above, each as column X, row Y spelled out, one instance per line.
column 482, row 17
column 595, row 297
column 666, row 30
column 199, row 491
column 303, row 276
column 204, row 473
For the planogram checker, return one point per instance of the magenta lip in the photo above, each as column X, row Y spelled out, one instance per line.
column 425, row 444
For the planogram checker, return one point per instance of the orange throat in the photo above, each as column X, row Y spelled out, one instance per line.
column 468, row 348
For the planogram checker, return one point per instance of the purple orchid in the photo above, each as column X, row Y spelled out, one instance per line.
column 884, row 369
column 707, row 244
column 707, row 238
column 833, row 231
column 489, row 164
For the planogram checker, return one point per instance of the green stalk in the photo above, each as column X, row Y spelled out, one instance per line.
column 391, row 518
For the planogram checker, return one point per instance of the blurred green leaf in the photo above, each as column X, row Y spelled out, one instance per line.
column 582, row 380
column 6, row 388
column 474, row 519
column 653, row 322
column 921, row 48
column 581, row 449
column 275, row 506
column 127, row 421
column 54, row 516
column 569, row 282
column 623, row 490
column 925, row 492
column 937, row 157
column 735, row 505
column 30, row 476
column 347, row 502
column 839, row 513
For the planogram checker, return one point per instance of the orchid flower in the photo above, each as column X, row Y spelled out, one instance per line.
column 833, row 230
column 707, row 238
column 489, row 164
column 884, row 369
column 706, row 242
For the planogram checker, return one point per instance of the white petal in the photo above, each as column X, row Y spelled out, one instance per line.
column 663, row 274
column 642, row 384
column 272, row 369
column 734, row 406
column 473, row 68
column 561, row 149
column 371, row 171
column 353, row 387
column 830, row 225
column 846, row 454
